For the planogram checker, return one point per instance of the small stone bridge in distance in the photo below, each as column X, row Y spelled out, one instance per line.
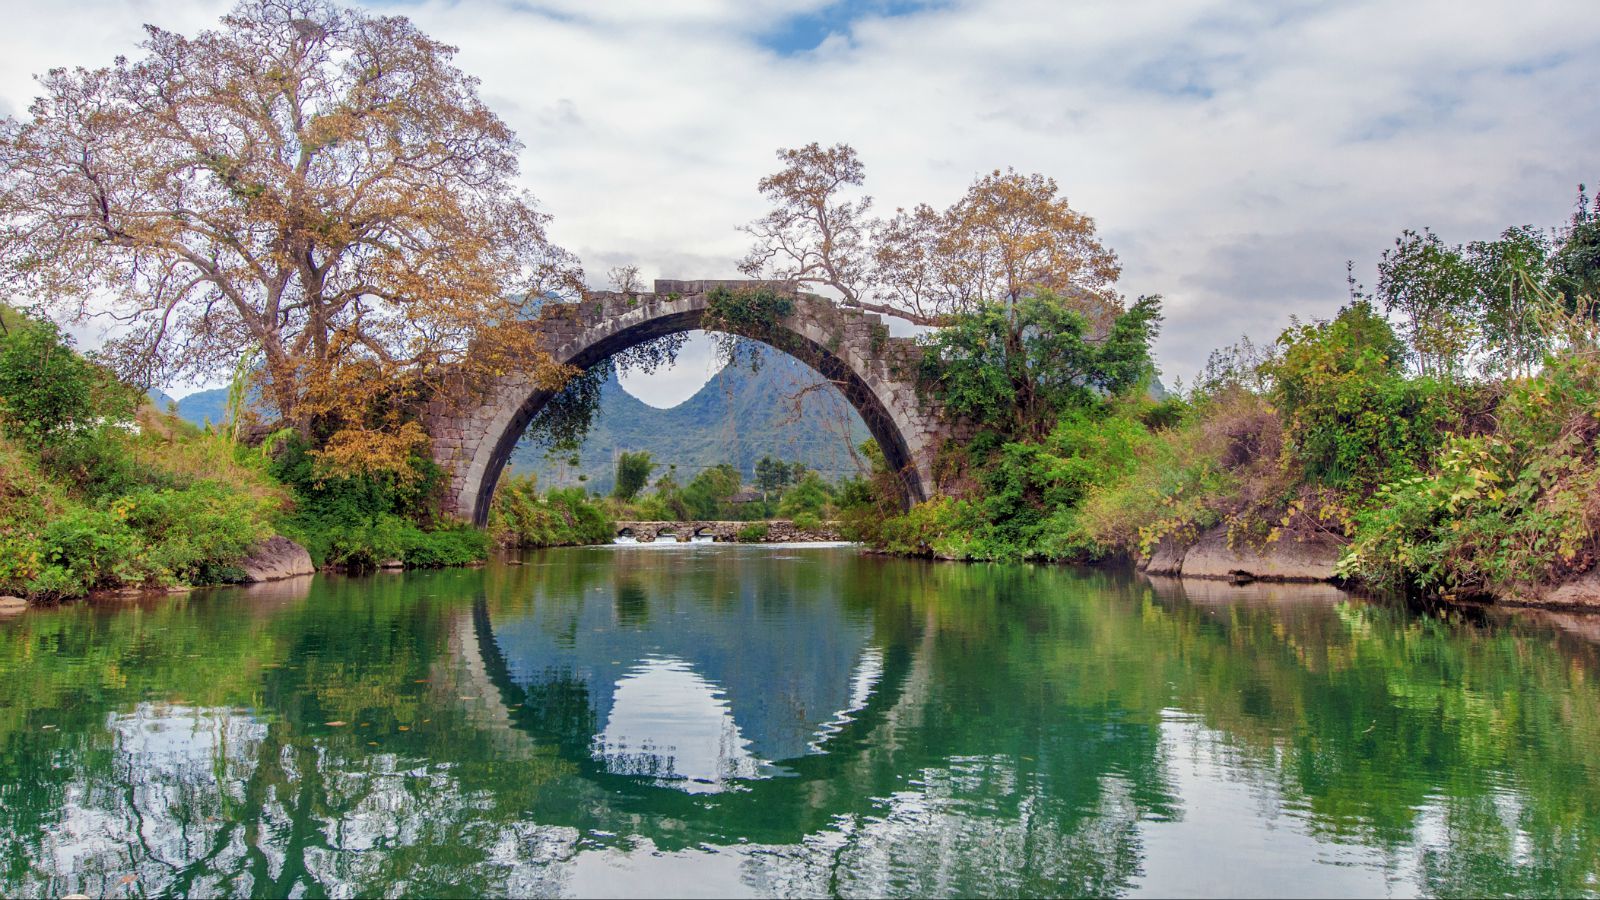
column 777, row 531
column 473, row 439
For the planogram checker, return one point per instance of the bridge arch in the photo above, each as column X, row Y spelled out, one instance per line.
column 876, row 373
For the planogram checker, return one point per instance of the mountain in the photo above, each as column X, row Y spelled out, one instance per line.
column 197, row 407
column 738, row 416
column 160, row 399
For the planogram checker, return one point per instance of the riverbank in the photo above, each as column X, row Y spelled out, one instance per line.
column 1319, row 458
column 1317, row 559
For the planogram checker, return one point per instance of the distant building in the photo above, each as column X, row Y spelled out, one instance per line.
column 746, row 496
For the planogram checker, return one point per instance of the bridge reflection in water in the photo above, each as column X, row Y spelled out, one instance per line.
column 680, row 683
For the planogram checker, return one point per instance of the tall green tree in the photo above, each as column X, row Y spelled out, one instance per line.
column 1432, row 289
column 1577, row 261
column 47, row 391
column 633, row 473
column 1351, row 416
column 1510, row 273
column 1016, row 366
column 772, row 475
column 705, row 494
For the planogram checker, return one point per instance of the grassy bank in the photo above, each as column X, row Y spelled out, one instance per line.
column 98, row 490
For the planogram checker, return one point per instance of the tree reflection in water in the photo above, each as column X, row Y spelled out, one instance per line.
column 612, row 721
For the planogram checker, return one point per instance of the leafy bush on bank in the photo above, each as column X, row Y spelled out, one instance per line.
column 754, row 533
column 94, row 496
column 522, row 517
column 1497, row 513
column 1056, row 415
column 371, row 518
column 98, row 492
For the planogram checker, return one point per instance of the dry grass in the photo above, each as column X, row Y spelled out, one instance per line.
column 187, row 455
column 1224, row 465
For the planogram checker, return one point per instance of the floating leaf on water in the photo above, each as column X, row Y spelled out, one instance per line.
column 337, row 724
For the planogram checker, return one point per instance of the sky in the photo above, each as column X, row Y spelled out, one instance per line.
column 1234, row 153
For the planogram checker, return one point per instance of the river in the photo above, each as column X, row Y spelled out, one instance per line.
column 725, row 720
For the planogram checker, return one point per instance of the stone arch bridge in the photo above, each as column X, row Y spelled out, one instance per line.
column 473, row 439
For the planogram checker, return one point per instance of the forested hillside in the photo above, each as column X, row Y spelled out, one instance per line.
column 739, row 416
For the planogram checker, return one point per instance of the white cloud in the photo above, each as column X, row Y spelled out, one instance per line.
column 1235, row 153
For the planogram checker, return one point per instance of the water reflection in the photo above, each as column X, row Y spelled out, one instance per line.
column 750, row 658
column 812, row 722
column 672, row 726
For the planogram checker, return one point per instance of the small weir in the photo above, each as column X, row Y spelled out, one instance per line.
column 702, row 531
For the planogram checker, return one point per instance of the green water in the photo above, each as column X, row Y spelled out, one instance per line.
column 724, row 720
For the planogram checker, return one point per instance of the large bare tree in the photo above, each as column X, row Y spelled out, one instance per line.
column 1011, row 234
column 316, row 184
column 813, row 235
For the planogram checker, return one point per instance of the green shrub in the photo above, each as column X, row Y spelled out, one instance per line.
column 1351, row 417
column 366, row 520
column 85, row 549
column 1221, row 464
column 49, row 395
column 1026, row 496
column 63, row 408
column 706, row 495
column 357, row 544
column 754, row 533
column 809, row 497
column 152, row 537
column 521, row 517
column 194, row 535
column 752, row 310
column 459, row 546
column 1496, row 513
column 86, row 503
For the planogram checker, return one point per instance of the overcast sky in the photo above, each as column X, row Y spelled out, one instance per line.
column 1235, row 154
